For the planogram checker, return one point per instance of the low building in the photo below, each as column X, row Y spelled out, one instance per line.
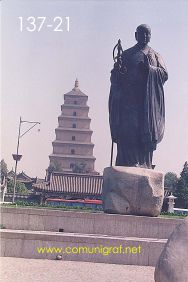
column 70, row 186
column 22, row 177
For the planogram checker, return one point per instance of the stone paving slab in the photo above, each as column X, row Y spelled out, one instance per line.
column 38, row 270
column 25, row 244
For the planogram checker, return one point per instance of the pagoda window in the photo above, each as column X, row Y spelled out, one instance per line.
column 74, row 125
column 73, row 138
column 75, row 102
column 71, row 165
column 74, row 113
column 72, row 151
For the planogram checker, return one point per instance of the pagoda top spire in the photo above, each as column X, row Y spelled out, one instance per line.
column 76, row 85
column 76, row 90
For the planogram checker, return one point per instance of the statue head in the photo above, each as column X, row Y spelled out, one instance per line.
column 143, row 34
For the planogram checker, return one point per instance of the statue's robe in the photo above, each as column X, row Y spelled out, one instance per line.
column 136, row 106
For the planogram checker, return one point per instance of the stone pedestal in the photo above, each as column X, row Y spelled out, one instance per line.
column 132, row 190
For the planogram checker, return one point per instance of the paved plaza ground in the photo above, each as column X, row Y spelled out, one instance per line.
column 38, row 270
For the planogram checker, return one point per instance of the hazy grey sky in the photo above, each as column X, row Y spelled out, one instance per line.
column 40, row 66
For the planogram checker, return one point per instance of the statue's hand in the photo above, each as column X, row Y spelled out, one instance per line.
column 120, row 68
column 116, row 65
column 115, row 68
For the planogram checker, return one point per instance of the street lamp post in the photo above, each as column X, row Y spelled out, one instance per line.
column 18, row 157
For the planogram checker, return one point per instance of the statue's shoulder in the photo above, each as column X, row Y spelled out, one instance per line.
column 129, row 52
column 151, row 51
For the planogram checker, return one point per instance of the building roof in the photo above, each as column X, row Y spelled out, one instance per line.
column 23, row 177
column 71, row 183
column 10, row 174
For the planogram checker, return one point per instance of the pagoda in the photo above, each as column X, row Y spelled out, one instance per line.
column 72, row 146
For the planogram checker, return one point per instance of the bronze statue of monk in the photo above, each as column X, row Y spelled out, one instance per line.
column 136, row 102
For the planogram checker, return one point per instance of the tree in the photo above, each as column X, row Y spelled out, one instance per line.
column 20, row 187
column 181, row 191
column 4, row 169
column 55, row 166
column 184, row 173
column 79, row 168
column 170, row 180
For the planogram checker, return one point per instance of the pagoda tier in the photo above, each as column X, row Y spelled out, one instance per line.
column 73, row 145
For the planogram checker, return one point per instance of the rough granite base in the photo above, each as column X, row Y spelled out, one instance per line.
column 132, row 190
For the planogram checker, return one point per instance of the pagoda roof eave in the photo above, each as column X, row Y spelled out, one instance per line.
column 72, row 143
column 74, row 129
column 75, row 93
column 61, row 156
column 75, row 106
column 74, row 117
